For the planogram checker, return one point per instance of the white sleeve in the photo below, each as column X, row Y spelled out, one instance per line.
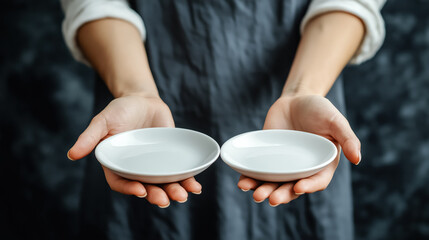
column 78, row 12
column 367, row 10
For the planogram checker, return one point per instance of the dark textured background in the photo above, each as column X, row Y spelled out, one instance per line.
column 46, row 101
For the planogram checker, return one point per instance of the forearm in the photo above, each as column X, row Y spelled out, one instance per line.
column 327, row 44
column 116, row 51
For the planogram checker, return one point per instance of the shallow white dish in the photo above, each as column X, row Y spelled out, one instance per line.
column 158, row 155
column 278, row 155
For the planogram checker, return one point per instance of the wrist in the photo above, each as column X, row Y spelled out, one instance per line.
column 296, row 92
column 136, row 86
column 144, row 94
column 307, row 85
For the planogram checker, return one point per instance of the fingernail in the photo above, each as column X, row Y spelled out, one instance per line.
column 244, row 190
column 360, row 158
column 166, row 206
column 258, row 201
column 301, row 193
column 183, row 201
column 273, row 205
column 198, row 193
column 68, row 156
column 142, row 196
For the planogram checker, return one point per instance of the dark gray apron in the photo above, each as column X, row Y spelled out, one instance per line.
column 219, row 65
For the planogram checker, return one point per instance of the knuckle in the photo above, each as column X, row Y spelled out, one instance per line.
column 333, row 120
column 96, row 119
column 91, row 138
column 264, row 192
column 173, row 189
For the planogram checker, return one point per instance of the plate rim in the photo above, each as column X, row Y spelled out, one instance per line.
column 113, row 168
column 319, row 166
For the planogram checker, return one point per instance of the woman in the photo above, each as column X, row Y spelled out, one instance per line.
column 222, row 68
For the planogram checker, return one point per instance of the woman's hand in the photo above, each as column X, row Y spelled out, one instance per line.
column 127, row 113
column 328, row 42
column 309, row 113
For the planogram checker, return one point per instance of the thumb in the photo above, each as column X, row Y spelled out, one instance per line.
column 344, row 135
column 87, row 141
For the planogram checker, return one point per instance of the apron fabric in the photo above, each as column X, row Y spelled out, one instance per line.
column 219, row 66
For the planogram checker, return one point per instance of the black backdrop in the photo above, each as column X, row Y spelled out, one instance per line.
column 46, row 101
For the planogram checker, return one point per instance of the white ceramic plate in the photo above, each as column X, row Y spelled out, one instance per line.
column 158, row 155
column 278, row 155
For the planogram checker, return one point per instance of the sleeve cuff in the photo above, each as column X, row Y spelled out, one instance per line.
column 81, row 12
column 367, row 11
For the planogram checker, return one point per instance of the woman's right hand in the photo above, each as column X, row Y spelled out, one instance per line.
column 128, row 113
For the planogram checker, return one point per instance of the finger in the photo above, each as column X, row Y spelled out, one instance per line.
column 176, row 192
column 344, row 135
column 317, row 182
column 124, row 186
column 246, row 183
column 87, row 141
column 283, row 194
column 264, row 191
column 191, row 185
column 157, row 196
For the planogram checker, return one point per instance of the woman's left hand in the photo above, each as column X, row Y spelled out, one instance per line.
column 309, row 113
